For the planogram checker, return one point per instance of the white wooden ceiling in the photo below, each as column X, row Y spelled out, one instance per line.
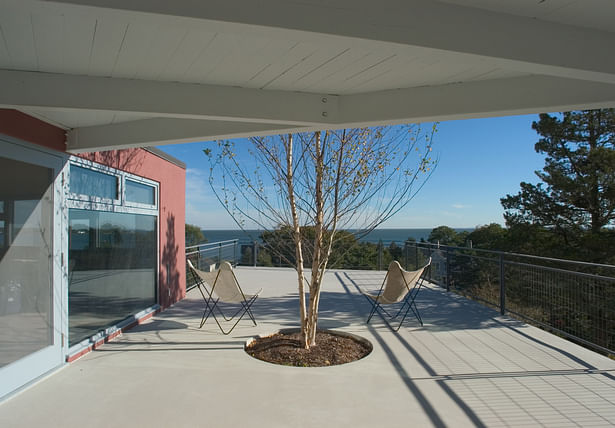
column 122, row 73
column 595, row 14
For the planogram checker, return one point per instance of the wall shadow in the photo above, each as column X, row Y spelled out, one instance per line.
column 170, row 290
column 157, row 325
column 129, row 160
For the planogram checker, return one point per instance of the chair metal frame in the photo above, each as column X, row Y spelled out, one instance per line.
column 211, row 301
column 409, row 301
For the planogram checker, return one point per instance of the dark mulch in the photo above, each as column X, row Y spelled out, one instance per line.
column 285, row 349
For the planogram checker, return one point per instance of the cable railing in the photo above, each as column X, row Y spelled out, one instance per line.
column 209, row 255
column 573, row 299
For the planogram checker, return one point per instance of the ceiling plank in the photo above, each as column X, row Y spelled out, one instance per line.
column 48, row 36
column 187, row 54
column 77, row 43
column 19, row 37
column 133, row 50
column 106, row 45
column 164, row 43
column 5, row 58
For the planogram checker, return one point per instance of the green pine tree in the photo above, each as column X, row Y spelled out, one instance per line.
column 576, row 198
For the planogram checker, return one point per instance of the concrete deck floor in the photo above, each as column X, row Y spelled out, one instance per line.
column 467, row 366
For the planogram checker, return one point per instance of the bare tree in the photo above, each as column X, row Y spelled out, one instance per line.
column 350, row 179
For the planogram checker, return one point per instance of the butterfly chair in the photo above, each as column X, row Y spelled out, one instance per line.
column 398, row 286
column 221, row 285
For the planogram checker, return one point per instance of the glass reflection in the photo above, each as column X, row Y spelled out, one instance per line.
column 139, row 192
column 85, row 181
column 26, row 220
column 112, row 269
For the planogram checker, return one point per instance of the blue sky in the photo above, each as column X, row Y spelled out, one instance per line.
column 481, row 160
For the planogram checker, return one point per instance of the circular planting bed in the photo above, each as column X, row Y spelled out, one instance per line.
column 332, row 348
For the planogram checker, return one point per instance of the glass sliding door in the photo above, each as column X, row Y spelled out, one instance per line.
column 112, row 275
column 30, row 265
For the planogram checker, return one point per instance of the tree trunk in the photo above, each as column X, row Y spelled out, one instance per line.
column 296, row 238
column 595, row 208
column 316, row 262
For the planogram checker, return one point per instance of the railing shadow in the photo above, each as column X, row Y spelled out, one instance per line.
column 503, row 389
column 428, row 407
column 408, row 350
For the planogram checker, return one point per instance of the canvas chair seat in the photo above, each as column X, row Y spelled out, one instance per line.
column 398, row 286
column 221, row 286
column 220, row 282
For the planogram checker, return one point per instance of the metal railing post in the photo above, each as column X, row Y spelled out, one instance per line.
column 502, row 287
column 235, row 252
column 448, row 269
column 255, row 252
column 416, row 256
column 406, row 255
column 430, row 270
column 220, row 252
column 380, row 255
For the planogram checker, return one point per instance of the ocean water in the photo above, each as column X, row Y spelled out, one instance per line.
column 386, row 235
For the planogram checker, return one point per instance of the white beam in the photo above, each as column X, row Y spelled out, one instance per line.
column 520, row 43
column 160, row 131
column 167, row 99
column 534, row 94
column 488, row 98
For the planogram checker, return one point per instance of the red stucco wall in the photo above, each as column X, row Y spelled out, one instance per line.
column 172, row 179
column 21, row 126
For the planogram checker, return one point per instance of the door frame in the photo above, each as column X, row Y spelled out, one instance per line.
column 28, row 369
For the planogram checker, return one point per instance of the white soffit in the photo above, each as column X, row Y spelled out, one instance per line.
column 222, row 68
column 595, row 14
column 79, row 118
